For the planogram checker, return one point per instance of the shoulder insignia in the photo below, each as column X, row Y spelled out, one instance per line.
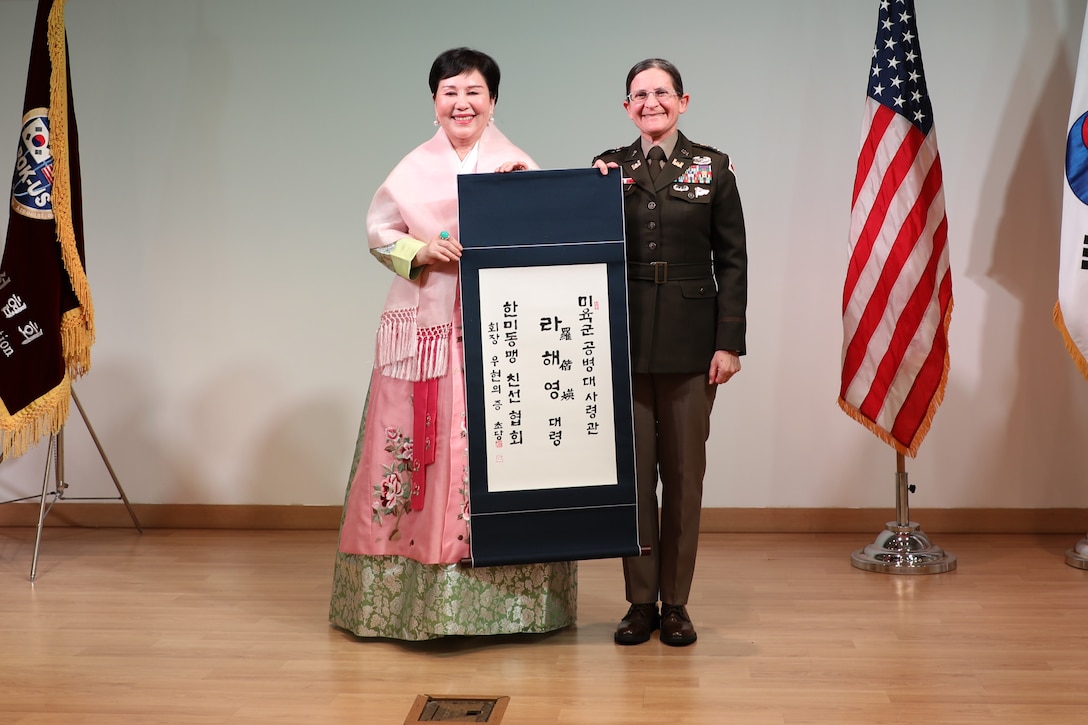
column 708, row 147
column 612, row 151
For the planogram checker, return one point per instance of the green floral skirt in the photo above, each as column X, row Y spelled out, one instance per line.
column 397, row 597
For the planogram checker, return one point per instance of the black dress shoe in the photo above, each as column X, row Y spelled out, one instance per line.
column 637, row 624
column 676, row 627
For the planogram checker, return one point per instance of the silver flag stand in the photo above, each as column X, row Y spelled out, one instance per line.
column 55, row 460
column 902, row 548
column 1078, row 555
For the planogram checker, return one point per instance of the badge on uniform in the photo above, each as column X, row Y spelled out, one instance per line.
column 700, row 171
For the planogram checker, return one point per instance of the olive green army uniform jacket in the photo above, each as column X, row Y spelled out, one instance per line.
column 687, row 261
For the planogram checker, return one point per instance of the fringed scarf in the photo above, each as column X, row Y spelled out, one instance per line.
column 419, row 200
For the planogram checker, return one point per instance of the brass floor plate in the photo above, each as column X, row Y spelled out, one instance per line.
column 457, row 708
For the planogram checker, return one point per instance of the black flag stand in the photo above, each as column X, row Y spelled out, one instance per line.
column 902, row 548
column 55, row 460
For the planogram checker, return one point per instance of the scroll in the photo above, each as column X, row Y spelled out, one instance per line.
column 547, row 367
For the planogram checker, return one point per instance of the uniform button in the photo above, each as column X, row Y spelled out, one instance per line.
column 652, row 245
column 652, row 205
column 691, row 195
column 652, row 225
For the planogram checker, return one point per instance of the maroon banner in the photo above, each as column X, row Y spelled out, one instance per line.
column 46, row 314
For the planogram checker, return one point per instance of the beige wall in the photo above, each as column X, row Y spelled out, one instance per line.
column 230, row 149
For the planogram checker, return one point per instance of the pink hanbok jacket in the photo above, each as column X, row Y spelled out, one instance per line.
column 409, row 496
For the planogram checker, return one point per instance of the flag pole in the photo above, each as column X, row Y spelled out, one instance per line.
column 1078, row 555
column 55, row 456
column 902, row 548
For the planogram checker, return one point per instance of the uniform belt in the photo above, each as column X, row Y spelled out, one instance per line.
column 662, row 272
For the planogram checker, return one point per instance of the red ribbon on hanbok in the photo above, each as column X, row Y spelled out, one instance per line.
column 425, row 406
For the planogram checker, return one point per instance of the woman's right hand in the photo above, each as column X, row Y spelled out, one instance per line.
column 443, row 248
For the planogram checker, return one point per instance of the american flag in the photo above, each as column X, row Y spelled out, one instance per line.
column 897, row 300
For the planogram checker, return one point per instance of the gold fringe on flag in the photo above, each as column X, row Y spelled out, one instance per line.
column 1074, row 351
column 77, row 326
column 44, row 417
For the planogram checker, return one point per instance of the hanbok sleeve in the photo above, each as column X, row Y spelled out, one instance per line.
column 387, row 234
column 398, row 256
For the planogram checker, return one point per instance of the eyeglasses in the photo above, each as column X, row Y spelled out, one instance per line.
column 642, row 96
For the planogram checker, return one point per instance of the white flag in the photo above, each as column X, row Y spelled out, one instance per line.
column 1071, row 312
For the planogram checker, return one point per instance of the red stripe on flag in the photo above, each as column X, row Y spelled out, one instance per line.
column 911, row 314
column 888, row 196
column 864, row 244
column 881, row 119
column 890, row 365
column 925, row 395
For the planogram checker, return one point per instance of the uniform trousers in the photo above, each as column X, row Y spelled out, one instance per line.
column 672, row 423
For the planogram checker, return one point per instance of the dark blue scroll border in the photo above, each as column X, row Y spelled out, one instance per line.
column 538, row 218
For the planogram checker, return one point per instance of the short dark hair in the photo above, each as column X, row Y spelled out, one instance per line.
column 456, row 61
column 661, row 64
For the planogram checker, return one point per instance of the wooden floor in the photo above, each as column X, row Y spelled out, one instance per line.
column 197, row 627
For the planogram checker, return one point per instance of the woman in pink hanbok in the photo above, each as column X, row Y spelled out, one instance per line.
column 406, row 517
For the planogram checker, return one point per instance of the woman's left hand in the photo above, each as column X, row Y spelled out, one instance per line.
column 512, row 166
column 723, row 366
column 443, row 248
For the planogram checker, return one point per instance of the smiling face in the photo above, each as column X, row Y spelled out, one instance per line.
column 656, row 118
column 463, row 106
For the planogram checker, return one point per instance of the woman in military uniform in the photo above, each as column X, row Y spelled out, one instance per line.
column 687, row 291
